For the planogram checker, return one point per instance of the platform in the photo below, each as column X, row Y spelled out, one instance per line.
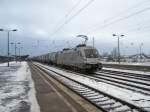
column 50, row 98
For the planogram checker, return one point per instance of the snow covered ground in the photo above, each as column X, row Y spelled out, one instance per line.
column 128, row 71
column 135, row 98
column 17, row 92
column 131, row 63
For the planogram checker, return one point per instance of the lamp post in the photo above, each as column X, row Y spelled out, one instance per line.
column 20, row 53
column 15, row 48
column 118, row 36
column 8, row 31
column 93, row 42
column 141, row 52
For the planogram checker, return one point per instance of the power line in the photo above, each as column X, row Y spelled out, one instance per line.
column 78, row 12
column 72, row 17
column 121, row 13
column 139, row 24
column 123, row 18
column 68, row 13
column 73, row 8
column 138, row 29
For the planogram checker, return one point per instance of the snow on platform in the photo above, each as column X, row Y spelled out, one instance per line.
column 17, row 93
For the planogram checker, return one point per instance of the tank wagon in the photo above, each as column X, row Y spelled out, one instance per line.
column 82, row 57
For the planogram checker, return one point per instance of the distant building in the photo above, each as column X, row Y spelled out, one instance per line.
column 12, row 58
column 142, row 58
column 4, row 59
column 137, row 58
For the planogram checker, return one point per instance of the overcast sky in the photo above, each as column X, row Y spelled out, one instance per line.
column 50, row 25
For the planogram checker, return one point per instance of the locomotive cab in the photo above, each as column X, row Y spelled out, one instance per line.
column 91, row 58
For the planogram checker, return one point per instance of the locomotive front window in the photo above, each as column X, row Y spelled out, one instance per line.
column 91, row 53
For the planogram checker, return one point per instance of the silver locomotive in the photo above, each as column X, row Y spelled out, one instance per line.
column 82, row 57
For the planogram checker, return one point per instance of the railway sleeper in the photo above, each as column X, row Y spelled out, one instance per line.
column 83, row 90
column 104, row 99
column 90, row 94
column 111, row 107
column 76, row 87
column 123, row 108
column 109, row 101
column 114, row 106
column 104, row 104
column 96, row 100
column 96, row 97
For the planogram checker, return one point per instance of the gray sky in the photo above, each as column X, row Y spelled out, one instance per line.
column 40, row 29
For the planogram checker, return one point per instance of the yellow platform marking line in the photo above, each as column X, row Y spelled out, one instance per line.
column 82, row 102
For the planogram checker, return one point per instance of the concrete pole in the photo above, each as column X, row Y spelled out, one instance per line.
column 8, row 48
column 119, row 49
column 93, row 41
column 15, row 52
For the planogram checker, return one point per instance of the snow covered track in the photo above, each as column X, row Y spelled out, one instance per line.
column 101, row 99
column 132, row 81
column 128, row 73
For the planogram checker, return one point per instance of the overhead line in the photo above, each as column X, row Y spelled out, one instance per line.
column 78, row 12
column 68, row 13
column 72, row 17
column 123, row 18
column 138, row 29
column 121, row 13
column 73, row 8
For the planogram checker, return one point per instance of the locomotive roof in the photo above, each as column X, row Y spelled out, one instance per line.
column 77, row 48
column 84, row 46
column 81, row 45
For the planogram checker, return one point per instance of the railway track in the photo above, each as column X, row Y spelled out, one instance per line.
column 136, row 86
column 102, row 100
column 127, row 82
column 127, row 74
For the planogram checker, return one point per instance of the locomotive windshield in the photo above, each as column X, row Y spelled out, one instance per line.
column 91, row 53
